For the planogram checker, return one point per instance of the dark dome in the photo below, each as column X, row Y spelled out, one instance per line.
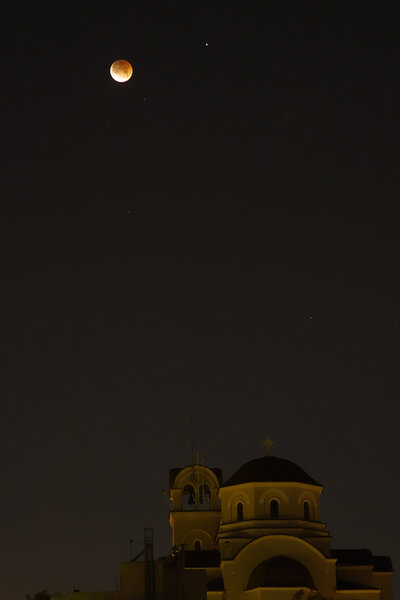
column 269, row 468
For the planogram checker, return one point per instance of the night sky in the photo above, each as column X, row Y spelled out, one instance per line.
column 218, row 238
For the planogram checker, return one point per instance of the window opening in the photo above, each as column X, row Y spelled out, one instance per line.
column 204, row 497
column 188, row 498
column 274, row 509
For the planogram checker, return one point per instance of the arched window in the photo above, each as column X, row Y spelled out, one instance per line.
column 306, row 510
column 204, row 497
column 197, row 546
column 239, row 511
column 274, row 509
column 188, row 498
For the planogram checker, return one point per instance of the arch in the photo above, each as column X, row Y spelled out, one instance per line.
column 198, row 545
column 322, row 569
column 277, row 493
column 239, row 495
column 204, row 497
column 312, row 506
column 308, row 496
column 198, row 535
column 239, row 511
column 306, row 507
column 205, row 485
column 280, row 571
column 188, row 497
column 274, row 508
column 194, row 473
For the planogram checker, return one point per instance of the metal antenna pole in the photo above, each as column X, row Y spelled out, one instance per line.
column 149, row 564
column 191, row 441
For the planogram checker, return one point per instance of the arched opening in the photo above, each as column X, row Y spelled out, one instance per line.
column 306, row 510
column 274, row 509
column 204, row 497
column 197, row 546
column 239, row 511
column 281, row 571
column 188, row 498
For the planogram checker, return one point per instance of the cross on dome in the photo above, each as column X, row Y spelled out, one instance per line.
column 268, row 443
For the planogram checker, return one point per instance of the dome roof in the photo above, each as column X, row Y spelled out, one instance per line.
column 270, row 468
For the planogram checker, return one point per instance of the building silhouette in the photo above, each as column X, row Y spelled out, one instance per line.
column 256, row 536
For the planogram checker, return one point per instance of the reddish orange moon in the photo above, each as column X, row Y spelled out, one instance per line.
column 121, row 70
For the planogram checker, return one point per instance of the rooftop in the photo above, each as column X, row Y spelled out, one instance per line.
column 270, row 468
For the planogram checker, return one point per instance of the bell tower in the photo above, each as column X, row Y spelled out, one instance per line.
column 195, row 511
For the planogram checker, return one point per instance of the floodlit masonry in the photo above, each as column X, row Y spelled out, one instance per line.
column 256, row 536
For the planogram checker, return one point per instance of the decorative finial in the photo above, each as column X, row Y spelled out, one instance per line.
column 268, row 443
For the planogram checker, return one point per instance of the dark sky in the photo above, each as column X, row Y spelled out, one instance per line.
column 217, row 238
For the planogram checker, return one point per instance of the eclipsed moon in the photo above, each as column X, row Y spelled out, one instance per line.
column 121, row 70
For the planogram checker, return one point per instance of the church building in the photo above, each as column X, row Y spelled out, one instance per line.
column 256, row 536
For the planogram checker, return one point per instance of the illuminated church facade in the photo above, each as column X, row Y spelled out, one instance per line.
column 256, row 536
